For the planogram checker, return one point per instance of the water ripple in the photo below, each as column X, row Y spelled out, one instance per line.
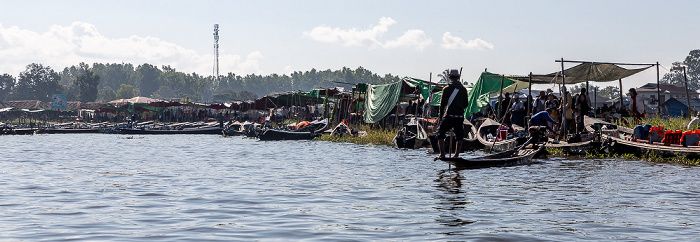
column 203, row 187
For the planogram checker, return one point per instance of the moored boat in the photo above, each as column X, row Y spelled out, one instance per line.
column 314, row 127
column 488, row 135
column 622, row 141
column 68, row 131
column 201, row 130
column 274, row 134
column 411, row 136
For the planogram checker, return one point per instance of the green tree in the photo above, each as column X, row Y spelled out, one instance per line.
column 126, row 91
column 37, row 83
column 609, row 92
column 692, row 64
column 147, row 76
column 67, row 82
column 87, row 82
column 246, row 95
column 108, row 94
column 113, row 75
column 7, row 83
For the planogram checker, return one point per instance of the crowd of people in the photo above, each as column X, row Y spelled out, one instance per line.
column 550, row 110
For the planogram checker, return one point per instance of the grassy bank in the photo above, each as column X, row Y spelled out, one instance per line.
column 678, row 160
column 375, row 136
column 671, row 123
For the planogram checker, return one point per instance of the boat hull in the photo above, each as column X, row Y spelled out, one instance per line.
column 68, row 131
column 271, row 135
column 182, row 131
column 503, row 159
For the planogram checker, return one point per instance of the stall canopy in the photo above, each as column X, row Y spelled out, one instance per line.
column 381, row 100
column 588, row 71
column 490, row 83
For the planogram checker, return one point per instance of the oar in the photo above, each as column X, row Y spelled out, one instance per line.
column 451, row 136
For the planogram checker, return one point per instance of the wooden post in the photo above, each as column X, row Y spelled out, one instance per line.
column 529, row 95
column 500, row 100
column 595, row 101
column 564, row 97
column 658, row 90
column 685, row 78
column 621, row 103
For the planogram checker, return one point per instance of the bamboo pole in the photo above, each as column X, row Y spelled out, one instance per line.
column 614, row 63
column 621, row 103
column 563, row 106
column 529, row 95
column 658, row 89
column 687, row 95
column 500, row 100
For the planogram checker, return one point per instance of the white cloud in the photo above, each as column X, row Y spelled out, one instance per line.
column 64, row 46
column 412, row 38
column 456, row 43
column 371, row 37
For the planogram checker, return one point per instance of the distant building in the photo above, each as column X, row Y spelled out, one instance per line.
column 649, row 93
column 678, row 107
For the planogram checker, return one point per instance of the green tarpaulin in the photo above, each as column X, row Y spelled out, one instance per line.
column 489, row 83
column 381, row 100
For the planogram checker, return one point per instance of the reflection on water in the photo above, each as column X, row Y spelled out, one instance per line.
column 199, row 187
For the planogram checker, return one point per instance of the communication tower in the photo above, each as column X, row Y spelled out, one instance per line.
column 216, row 52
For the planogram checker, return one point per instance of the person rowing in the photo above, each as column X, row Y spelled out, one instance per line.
column 452, row 105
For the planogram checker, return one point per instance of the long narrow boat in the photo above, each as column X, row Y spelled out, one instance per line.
column 515, row 157
column 273, row 134
column 314, row 127
column 233, row 129
column 411, row 136
column 203, row 130
column 621, row 141
column 24, row 131
column 68, row 131
column 490, row 126
column 470, row 142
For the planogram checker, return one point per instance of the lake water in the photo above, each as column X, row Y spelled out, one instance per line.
column 207, row 187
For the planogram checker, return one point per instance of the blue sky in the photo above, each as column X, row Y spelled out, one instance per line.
column 405, row 38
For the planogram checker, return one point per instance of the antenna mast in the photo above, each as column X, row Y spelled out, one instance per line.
column 216, row 52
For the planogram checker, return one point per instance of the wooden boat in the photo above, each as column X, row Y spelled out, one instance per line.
column 314, row 127
column 24, row 131
column 621, row 141
column 490, row 126
column 273, row 134
column 68, row 131
column 233, row 129
column 201, row 130
column 515, row 157
column 340, row 130
column 411, row 136
column 470, row 142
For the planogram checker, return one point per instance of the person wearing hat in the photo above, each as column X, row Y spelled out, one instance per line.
column 452, row 105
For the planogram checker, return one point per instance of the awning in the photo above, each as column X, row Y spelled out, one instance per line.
column 587, row 71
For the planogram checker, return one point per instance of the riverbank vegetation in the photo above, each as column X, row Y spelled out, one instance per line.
column 669, row 123
column 368, row 135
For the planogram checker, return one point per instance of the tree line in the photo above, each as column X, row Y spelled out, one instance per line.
column 107, row 82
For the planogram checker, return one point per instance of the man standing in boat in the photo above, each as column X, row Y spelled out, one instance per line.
column 452, row 105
